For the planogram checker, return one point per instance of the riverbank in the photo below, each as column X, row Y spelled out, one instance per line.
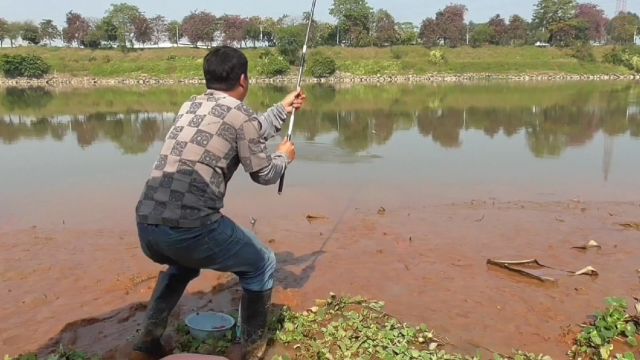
column 432, row 257
column 405, row 64
column 57, row 82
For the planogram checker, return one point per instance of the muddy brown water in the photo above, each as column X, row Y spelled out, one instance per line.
column 465, row 173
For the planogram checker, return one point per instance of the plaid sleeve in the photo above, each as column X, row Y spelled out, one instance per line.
column 252, row 148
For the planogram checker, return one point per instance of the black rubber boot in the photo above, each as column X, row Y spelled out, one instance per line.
column 168, row 291
column 254, row 311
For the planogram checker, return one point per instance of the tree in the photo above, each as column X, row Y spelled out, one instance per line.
column 254, row 30
column 385, row 32
column 551, row 12
column 30, row 33
column 234, row 29
column 49, row 31
column 430, row 33
column 76, row 30
column 270, row 28
column 568, row 32
column 107, row 30
column 623, row 27
column 448, row 27
column 499, row 29
column 481, row 35
column 142, row 30
column 354, row 20
column 159, row 28
column 4, row 30
column 595, row 17
column 199, row 27
column 290, row 40
column 13, row 32
column 408, row 33
column 518, row 30
column 174, row 30
column 124, row 16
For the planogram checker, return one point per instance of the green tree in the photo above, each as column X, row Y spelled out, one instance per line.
column 623, row 27
column 290, row 40
column 124, row 17
column 549, row 13
column 408, row 33
column 174, row 30
column 354, row 21
column 30, row 33
column 14, row 29
column 385, row 32
column 49, row 31
column 3, row 30
column 482, row 34
column 254, row 30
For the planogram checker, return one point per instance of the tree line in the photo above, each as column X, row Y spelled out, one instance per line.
column 556, row 22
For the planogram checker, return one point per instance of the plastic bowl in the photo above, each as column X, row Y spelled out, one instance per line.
column 207, row 325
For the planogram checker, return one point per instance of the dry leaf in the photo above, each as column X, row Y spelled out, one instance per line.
column 382, row 211
column 311, row 218
column 631, row 226
column 592, row 244
column 637, row 305
column 433, row 346
column 587, row 271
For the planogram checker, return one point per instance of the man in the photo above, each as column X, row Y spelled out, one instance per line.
column 178, row 215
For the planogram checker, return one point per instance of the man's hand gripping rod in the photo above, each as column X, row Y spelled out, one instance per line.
column 303, row 61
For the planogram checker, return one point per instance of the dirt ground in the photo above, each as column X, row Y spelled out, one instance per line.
column 85, row 287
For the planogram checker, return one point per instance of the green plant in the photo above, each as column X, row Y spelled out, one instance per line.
column 321, row 65
column 628, row 57
column 60, row 354
column 29, row 66
column 436, row 57
column 583, row 51
column 215, row 346
column 596, row 340
column 270, row 64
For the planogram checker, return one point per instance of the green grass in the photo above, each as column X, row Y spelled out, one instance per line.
column 186, row 63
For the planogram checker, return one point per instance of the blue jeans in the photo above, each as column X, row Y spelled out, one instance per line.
column 221, row 246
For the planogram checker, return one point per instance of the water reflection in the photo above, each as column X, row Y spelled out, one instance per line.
column 552, row 117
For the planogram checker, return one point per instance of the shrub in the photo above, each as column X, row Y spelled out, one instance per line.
column 583, row 52
column 436, row 57
column 29, row 66
column 627, row 57
column 321, row 66
column 270, row 64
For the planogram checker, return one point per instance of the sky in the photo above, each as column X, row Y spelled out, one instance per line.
column 403, row 10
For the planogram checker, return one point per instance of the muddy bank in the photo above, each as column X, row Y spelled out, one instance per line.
column 62, row 81
column 427, row 262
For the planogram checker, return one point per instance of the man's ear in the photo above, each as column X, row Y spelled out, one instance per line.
column 244, row 81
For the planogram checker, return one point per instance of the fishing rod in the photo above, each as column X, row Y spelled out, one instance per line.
column 303, row 61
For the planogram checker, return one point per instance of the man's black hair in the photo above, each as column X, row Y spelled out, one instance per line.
column 223, row 66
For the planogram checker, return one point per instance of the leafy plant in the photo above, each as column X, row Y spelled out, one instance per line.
column 596, row 340
column 270, row 64
column 60, row 354
column 583, row 51
column 436, row 57
column 29, row 66
column 628, row 57
column 214, row 346
column 321, row 65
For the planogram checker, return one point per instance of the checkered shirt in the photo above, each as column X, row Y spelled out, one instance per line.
column 212, row 135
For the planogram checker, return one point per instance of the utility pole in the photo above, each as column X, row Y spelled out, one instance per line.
column 177, row 36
